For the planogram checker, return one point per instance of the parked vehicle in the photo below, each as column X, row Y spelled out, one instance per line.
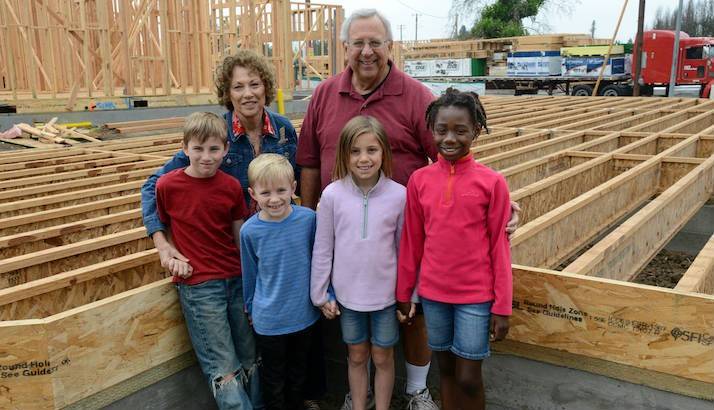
column 695, row 74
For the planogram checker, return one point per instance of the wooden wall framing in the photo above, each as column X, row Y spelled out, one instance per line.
column 76, row 51
column 604, row 183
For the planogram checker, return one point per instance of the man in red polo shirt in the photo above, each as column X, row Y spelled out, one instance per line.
column 372, row 85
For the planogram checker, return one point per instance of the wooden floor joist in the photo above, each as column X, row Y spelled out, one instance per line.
column 604, row 183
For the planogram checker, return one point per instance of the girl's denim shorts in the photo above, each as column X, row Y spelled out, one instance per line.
column 380, row 327
column 460, row 329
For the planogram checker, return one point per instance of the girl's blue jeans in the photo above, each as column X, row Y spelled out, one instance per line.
column 223, row 341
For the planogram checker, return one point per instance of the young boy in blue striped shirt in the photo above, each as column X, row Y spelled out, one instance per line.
column 276, row 250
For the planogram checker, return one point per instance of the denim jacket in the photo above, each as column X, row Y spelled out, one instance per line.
column 235, row 163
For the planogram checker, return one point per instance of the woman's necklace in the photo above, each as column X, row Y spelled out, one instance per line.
column 255, row 144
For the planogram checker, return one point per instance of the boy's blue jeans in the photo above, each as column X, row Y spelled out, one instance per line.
column 223, row 341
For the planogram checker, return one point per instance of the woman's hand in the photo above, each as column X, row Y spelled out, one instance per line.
column 499, row 327
column 406, row 312
column 330, row 310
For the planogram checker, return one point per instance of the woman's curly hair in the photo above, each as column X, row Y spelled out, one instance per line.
column 252, row 61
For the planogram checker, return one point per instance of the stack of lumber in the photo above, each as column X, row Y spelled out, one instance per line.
column 493, row 49
column 146, row 125
column 600, row 50
column 497, row 65
column 443, row 49
column 554, row 42
column 49, row 133
column 168, row 124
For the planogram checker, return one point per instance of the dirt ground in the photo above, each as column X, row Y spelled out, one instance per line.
column 665, row 270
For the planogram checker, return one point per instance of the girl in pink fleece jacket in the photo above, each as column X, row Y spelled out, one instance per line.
column 455, row 240
column 354, row 260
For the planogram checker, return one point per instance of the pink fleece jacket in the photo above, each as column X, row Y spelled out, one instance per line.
column 357, row 243
column 455, row 237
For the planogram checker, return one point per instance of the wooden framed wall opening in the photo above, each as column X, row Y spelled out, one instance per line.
column 67, row 54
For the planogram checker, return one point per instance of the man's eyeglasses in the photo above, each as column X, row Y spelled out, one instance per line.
column 360, row 44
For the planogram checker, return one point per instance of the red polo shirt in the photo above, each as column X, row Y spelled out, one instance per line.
column 399, row 104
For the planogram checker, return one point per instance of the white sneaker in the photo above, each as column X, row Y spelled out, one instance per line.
column 347, row 405
column 421, row 400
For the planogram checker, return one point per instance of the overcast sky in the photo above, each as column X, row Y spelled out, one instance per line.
column 434, row 22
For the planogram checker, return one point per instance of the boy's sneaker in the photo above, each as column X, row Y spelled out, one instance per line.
column 421, row 400
column 347, row 405
column 311, row 405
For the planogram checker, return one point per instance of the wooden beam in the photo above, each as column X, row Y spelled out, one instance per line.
column 75, row 197
column 24, row 268
column 69, row 290
column 700, row 275
column 44, row 238
column 152, row 324
column 637, row 325
column 41, row 219
column 625, row 251
column 27, row 193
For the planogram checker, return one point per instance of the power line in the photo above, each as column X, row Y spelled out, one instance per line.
column 421, row 12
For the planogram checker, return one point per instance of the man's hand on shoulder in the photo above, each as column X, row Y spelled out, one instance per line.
column 512, row 224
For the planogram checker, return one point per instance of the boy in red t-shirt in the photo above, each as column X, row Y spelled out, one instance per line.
column 204, row 209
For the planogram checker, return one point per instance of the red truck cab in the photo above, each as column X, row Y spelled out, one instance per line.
column 694, row 66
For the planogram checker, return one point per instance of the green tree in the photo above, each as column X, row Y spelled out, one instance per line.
column 505, row 18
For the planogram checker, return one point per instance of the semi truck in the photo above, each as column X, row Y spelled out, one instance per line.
column 694, row 72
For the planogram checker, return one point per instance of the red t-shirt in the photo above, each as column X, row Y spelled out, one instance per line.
column 200, row 213
column 399, row 104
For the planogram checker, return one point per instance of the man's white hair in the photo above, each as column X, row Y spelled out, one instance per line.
column 364, row 14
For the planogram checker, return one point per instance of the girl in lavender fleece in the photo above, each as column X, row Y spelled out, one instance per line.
column 354, row 260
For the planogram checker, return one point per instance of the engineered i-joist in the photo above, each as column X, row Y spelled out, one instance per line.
column 604, row 184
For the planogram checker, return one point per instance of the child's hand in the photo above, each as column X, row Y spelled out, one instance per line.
column 330, row 310
column 167, row 255
column 499, row 327
column 512, row 224
column 180, row 268
column 406, row 312
column 250, row 320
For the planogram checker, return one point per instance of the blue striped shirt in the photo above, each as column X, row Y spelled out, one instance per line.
column 275, row 257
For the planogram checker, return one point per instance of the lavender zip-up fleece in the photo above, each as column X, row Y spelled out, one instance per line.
column 357, row 243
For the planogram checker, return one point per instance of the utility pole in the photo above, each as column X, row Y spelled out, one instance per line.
column 401, row 28
column 638, row 49
column 675, row 52
column 416, row 27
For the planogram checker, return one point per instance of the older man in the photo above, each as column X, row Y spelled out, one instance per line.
column 372, row 85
